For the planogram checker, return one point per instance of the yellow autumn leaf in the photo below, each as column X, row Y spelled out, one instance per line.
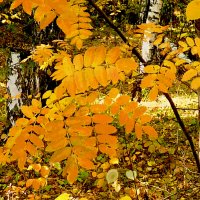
column 22, row 122
column 79, row 43
column 44, row 171
column 63, row 196
column 125, row 198
column 149, row 130
column 189, row 75
column 80, row 81
column 60, row 155
column 192, row 10
column 104, row 129
column 102, row 119
column 145, row 119
column 123, row 118
column 78, row 62
column 126, row 64
column 195, row 84
column 123, row 100
column 113, row 93
column 91, row 80
column 36, row 141
column 101, row 75
column 152, row 69
column 153, row 93
column 158, row 41
column 190, row 41
column 27, row 111
column 89, row 56
column 112, row 55
column 99, row 56
column 71, row 85
column 138, row 131
column 182, row 44
column 112, row 74
column 148, row 81
column 47, row 19
column 71, row 170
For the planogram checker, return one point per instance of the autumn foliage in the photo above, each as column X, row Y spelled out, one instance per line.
column 77, row 122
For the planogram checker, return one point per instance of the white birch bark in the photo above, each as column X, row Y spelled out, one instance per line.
column 13, row 88
column 153, row 16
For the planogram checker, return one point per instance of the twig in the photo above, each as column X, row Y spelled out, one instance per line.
column 184, row 130
column 123, row 37
column 187, row 108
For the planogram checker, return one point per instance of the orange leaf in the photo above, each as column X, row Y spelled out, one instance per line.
column 89, row 56
column 56, row 145
column 60, row 155
column 47, row 19
column 107, row 150
column 26, row 110
column 69, row 110
column 148, row 81
column 138, row 131
column 15, row 4
column 71, row 170
column 36, row 141
column 29, row 183
column 195, row 84
column 112, row 74
column 78, row 62
column 112, row 55
column 98, row 108
column 82, row 111
column 99, row 56
column 114, row 109
column 44, row 171
column 126, row 64
column 79, row 120
column 91, row 79
column 130, row 124
column 81, row 130
column 36, row 167
column 28, row 5
column 113, row 93
column 23, row 122
column 105, row 129
column 101, row 75
column 31, row 149
column 22, row 160
column 149, row 130
column 108, row 139
column 70, row 84
column 86, row 163
column 80, row 81
column 102, row 119
column 145, row 119
column 36, row 184
column 140, row 111
column 123, row 117
column 153, row 93
column 123, row 100
column 189, row 75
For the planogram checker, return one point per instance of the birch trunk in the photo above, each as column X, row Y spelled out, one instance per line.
column 152, row 14
column 14, row 88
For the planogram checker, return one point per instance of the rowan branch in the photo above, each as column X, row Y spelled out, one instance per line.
column 184, row 130
column 123, row 37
